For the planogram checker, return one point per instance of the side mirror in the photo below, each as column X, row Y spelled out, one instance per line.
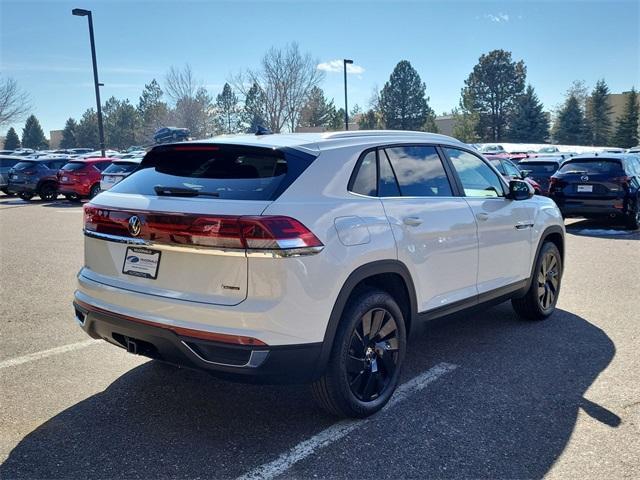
column 520, row 190
column 524, row 173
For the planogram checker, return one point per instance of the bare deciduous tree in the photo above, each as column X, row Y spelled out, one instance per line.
column 180, row 83
column 286, row 77
column 14, row 102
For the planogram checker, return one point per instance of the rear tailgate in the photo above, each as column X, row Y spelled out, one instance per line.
column 183, row 272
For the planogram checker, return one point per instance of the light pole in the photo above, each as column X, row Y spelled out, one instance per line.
column 79, row 12
column 346, row 109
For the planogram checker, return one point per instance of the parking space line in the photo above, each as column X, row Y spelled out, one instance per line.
column 12, row 362
column 341, row 429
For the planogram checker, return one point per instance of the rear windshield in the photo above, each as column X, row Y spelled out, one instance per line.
column 71, row 166
column 120, row 167
column 225, row 171
column 595, row 165
column 25, row 165
column 540, row 168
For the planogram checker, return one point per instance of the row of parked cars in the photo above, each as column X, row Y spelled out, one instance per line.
column 51, row 175
column 604, row 184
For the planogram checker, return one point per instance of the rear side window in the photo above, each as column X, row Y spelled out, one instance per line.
column 121, row 167
column 234, row 172
column 388, row 186
column 478, row 180
column 101, row 165
column 419, row 171
column 612, row 167
column 364, row 182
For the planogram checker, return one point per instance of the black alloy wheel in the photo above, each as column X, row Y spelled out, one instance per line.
column 548, row 280
column 373, row 354
column 95, row 190
column 26, row 196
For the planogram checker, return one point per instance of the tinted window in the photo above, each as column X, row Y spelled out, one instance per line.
column 511, row 169
column 101, row 165
column 121, row 167
column 478, row 180
column 388, row 186
column 71, row 166
column 540, row 168
column 419, row 171
column 365, row 179
column 592, row 166
column 225, row 171
column 498, row 164
column 25, row 166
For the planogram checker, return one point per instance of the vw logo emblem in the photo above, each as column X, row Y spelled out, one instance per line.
column 584, row 178
column 134, row 226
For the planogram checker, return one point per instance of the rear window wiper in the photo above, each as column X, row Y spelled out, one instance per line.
column 182, row 192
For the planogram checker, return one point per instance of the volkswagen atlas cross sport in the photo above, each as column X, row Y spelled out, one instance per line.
column 310, row 257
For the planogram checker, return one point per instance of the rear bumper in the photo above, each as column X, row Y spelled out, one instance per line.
column 73, row 189
column 22, row 187
column 245, row 363
column 593, row 207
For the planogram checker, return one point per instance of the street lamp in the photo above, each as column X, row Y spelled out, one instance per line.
column 346, row 109
column 79, row 12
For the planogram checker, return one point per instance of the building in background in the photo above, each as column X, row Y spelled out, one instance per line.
column 55, row 137
column 445, row 124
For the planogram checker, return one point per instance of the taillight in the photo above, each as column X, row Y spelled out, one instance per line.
column 221, row 231
column 624, row 181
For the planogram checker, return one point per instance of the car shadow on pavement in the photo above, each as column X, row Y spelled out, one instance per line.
column 507, row 411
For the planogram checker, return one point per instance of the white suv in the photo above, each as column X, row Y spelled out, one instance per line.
column 310, row 257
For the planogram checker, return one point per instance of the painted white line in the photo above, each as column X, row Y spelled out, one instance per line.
column 341, row 429
column 12, row 362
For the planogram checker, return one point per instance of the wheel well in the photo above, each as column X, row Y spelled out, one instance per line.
column 556, row 239
column 394, row 285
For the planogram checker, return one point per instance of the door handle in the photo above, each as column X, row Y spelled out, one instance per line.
column 523, row 225
column 482, row 216
column 412, row 221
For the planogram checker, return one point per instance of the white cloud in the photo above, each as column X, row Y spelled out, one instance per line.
column 499, row 18
column 337, row 66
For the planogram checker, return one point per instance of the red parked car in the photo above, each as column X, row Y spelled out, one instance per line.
column 510, row 171
column 81, row 178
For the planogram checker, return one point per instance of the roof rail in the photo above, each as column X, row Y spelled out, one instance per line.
column 378, row 133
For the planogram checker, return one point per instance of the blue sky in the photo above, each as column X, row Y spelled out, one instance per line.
column 46, row 49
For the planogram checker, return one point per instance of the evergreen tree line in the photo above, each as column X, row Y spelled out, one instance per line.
column 496, row 104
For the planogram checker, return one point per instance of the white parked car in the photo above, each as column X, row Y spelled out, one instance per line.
column 310, row 257
column 118, row 170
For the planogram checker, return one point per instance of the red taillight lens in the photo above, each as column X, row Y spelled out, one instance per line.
column 623, row 181
column 259, row 232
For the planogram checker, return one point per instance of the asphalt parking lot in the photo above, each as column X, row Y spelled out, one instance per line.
column 486, row 396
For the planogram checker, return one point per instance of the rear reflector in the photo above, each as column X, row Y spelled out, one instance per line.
column 221, row 231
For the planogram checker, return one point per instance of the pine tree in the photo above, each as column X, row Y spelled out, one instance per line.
column 626, row 135
column 33, row 135
column 570, row 124
column 370, row 120
column 317, row 111
column 529, row 123
column 336, row 122
column 120, row 123
column 253, row 113
column 598, row 111
column 152, row 111
column 69, row 134
column 492, row 90
column 87, row 130
column 465, row 125
column 227, row 107
column 403, row 102
column 12, row 141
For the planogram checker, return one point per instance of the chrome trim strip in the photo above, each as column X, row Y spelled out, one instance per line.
column 235, row 252
column 256, row 358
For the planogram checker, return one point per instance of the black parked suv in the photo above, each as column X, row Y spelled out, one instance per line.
column 598, row 186
column 32, row 177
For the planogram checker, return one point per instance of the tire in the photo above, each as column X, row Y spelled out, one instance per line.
column 48, row 191
column 26, row 196
column 6, row 191
column 363, row 373
column 540, row 300
column 72, row 197
column 95, row 190
column 633, row 219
